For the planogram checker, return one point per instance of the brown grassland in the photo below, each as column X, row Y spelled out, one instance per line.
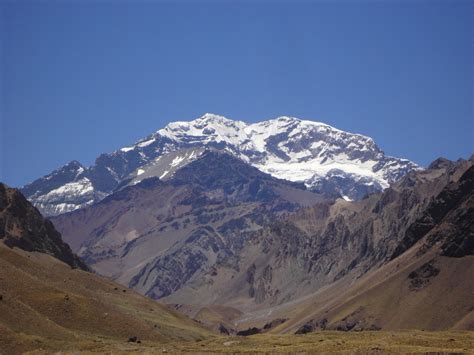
column 399, row 342
column 48, row 307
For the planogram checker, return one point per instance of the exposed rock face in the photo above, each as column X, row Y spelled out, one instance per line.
column 400, row 259
column 162, row 236
column 219, row 230
column 323, row 244
column 22, row 226
column 421, row 276
column 453, row 210
column 65, row 189
column 327, row 160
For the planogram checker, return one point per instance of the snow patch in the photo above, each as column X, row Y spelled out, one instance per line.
column 146, row 143
column 176, row 161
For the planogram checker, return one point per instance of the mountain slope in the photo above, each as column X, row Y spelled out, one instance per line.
column 293, row 256
column 326, row 159
column 47, row 306
column 348, row 266
column 424, row 281
column 158, row 236
column 220, row 232
column 428, row 284
column 22, row 226
column 428, row 292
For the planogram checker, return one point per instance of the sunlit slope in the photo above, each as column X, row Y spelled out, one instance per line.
column 46, row 304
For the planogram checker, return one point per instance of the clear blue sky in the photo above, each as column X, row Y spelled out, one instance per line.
column 80, row 78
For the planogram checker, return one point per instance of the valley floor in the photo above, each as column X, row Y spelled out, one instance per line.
column 349, row 342
column 322, row 342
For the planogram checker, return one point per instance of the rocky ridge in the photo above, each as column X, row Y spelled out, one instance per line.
column 159, row 235
column 327, row 160
column 235, row 236
column 22, row 226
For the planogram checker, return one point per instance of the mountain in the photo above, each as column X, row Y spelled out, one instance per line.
column 220, row 233
column 327, row 160
column 159, row 235
column 50, row 303
column 208, row 237
column 297, row 254
column 46, row 306
column 425, row 279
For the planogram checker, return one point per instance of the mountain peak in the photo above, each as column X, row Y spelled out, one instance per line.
column 213, row 117
column 440, row 163
column 285, row 147
column 73, row 164
column 287, row 118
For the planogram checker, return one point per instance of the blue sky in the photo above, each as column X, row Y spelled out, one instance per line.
column 79, row 78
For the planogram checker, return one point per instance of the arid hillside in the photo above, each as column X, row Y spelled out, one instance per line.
column 47, row 305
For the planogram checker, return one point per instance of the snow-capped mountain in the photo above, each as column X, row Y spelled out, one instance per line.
column 326, row 159
column 64, row 190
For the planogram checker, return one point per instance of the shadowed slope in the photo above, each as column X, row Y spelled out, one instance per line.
column 22, row 226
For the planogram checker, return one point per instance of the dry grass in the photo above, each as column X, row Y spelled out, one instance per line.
column 402, row 342
column 47, row 307
column 356, row 342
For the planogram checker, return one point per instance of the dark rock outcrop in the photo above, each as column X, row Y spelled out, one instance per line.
column 22, row 226
column 312, row 326
column 249, row 331
column 420, row 277
column 274, row 323
column 450, row 219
